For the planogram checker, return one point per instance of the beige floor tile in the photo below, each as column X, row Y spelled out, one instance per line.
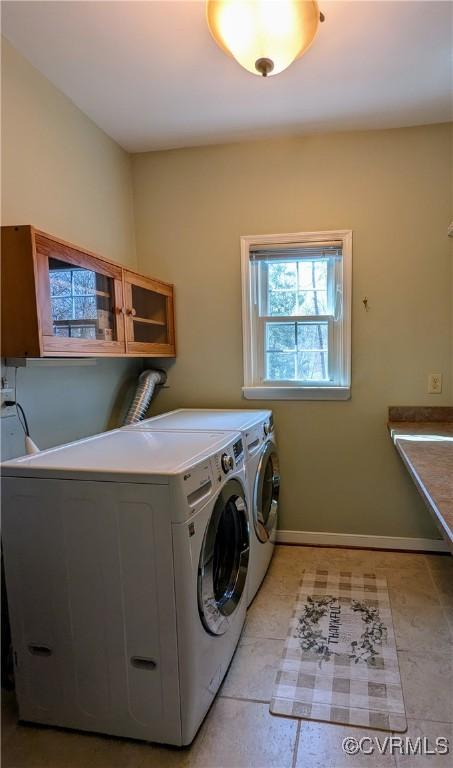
column 294, row 554
column 42, row 747
column 290, row 561
column 443, row 581
column 281, row 582
column 269, row 616
column 410, row 587
column 120, row 753
column 167, row 757
column 420, row 626
column 441, row 570
column 399, row 560
column 367, row 558
column 440, row 562
column 422, row 729
column 39, row 747
column 252, row 672
column 442, row 576
column 320, row 746
column 427, row 685
column 243, row 734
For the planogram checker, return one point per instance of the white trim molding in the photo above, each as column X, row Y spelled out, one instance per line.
column 297, row 393
column 326, row 539
column 339, row 387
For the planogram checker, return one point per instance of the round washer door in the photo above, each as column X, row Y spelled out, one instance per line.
column 224, row 558
column 266, row 493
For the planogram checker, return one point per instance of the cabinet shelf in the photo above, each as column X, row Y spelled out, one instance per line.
column 148, row 321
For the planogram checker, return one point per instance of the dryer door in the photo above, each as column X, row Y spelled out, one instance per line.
column 222, row 569
column 266, row 493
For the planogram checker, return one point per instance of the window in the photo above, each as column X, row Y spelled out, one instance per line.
column 297, row 315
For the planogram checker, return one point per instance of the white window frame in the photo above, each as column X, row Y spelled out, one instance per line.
column 255, row 388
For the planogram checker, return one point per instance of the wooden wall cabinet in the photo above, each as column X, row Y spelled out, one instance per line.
column 59, row 300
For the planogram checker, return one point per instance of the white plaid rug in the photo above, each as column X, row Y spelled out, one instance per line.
column 340, row 663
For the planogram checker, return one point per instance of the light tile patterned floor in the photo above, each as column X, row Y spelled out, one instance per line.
column 239, row 732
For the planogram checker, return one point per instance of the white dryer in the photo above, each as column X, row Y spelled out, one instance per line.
column 126, row 558
column 261, row 468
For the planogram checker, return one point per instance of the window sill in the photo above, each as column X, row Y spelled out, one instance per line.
column 297, row 393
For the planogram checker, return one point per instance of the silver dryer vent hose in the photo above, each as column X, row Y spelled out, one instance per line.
column 147, row 383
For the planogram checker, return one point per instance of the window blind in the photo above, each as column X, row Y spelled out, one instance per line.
column 289, row 252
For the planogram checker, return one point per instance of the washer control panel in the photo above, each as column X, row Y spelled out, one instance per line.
column 230, row 458
column 192, row 489
column 238, row 450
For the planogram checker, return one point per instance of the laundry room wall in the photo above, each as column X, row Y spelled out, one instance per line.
column 62, row 174
column 340, row 472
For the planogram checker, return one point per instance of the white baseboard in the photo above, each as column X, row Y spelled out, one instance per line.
column 325, row 539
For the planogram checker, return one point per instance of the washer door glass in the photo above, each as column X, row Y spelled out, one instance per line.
column 222, row 569
column 267, row 489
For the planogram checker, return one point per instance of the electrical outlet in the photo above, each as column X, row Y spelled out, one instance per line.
column 7, row 410
column 435, row 383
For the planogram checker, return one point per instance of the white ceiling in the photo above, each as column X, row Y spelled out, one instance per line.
column 151, row 76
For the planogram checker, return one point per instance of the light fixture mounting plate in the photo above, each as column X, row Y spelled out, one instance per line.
column 264, row 66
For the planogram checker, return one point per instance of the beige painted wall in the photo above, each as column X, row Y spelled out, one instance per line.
column 64, row 175
column 60, row 172
column 392, row 188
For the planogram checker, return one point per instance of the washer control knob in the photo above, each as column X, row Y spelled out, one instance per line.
column 266, row 429
column 227, row 463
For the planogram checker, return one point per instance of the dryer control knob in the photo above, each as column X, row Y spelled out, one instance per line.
column 266, row 429
column 227, row 463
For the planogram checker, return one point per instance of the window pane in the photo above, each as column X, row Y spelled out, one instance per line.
column 282, row 303
column 313, row 274
column 280, row 336
column 312, row 366
column 281, row 366
column 84, row 282
column 282, row 275
column 313, row 303
column 298, row 288
column 60, row 282
column 312, row 336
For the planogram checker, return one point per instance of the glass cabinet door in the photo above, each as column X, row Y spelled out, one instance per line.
column 81, row 302
column 149, row 315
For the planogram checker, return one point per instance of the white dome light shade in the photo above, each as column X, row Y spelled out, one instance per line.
column 264, row 36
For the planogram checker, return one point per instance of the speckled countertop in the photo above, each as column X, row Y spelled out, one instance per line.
column 426, row 448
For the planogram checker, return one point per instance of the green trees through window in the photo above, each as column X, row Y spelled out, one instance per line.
column 296, row 350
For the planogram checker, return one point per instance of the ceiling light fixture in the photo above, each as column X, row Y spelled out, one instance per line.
column 264, row 36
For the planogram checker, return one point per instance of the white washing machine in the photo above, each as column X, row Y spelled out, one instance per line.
column 261, row 468
column 126, row 559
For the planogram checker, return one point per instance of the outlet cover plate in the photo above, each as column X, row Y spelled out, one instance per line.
column 434, row 383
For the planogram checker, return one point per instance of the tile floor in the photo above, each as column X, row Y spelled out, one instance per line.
column 239, row 732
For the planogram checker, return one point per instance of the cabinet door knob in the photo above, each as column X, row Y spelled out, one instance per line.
column 132, row 312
